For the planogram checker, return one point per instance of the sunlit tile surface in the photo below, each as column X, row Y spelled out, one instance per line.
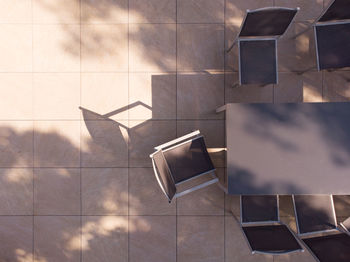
column 88, row 88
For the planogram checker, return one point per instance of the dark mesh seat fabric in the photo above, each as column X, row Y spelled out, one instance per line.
column 314, row 213
column 333, row 45
column 188, row 160
column 258, row 62
column 269, row 22
column 339, row 10
column 275, row 238
column 259, row 208
column 332, row 248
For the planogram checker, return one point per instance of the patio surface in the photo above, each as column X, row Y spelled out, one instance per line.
column 77, row 184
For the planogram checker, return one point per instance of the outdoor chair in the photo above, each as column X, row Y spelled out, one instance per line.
column 262, row 227
column 317, row 228
column 332, row 36
column 257, row 43
column 345, row 226
column 180, row 161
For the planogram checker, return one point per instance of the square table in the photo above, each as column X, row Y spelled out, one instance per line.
column 300, row 148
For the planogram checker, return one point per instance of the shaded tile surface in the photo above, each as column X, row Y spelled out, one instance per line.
column 152, row 96
column 104, row 11
column 16, row 144
column 57, row 143
column 145, row 195
column 152, row 11
column 203, row 11
column 208, row 90
column 209, row 231
column 104, row 191
column 18, row 233
column 200, row 47
column 104, row 143
column 16, row 190
column 144, row 135
column 64, row 239
column 152, row 47
column 152, row 238
column 104, row 238
column 56, row 191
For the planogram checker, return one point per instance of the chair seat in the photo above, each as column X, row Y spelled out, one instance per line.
column 271, row 239
column 188, row 160
column 314, row 213
column 333, row 45
column 258, row 64
column 330, row 248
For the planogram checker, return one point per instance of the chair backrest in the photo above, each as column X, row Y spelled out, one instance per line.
column 255, row 209
column 314, row 213
column 188, row 160
column 338, row 10
column 163, row 174
column 271, row 21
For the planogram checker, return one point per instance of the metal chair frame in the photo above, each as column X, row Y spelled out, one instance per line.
column 303, row 236
column 239, row 38
column 344, row 228
column 315, row 232
column 315, row 24
column 174, row 144
column 266, row 223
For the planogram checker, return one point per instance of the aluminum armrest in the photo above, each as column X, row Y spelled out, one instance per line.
column 178, row 140
column 158, row 179
column 208, row 183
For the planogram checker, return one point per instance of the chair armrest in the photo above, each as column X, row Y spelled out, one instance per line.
column 158, row 179
column 221, row 109
column 163, row 174
column 192, row 189
column 178, row 140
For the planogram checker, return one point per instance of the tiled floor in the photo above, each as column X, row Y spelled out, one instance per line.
column 76, row 183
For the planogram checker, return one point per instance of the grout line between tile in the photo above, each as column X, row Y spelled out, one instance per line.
column 176, row 120
column 322, row 87
column 115, row 215
column 204, row 71
column 33, row 151
column 128, row 132
column 225, row 124
column 80, row 136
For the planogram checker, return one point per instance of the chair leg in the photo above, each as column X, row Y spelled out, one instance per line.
column 234, row 85
column 220, row 185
